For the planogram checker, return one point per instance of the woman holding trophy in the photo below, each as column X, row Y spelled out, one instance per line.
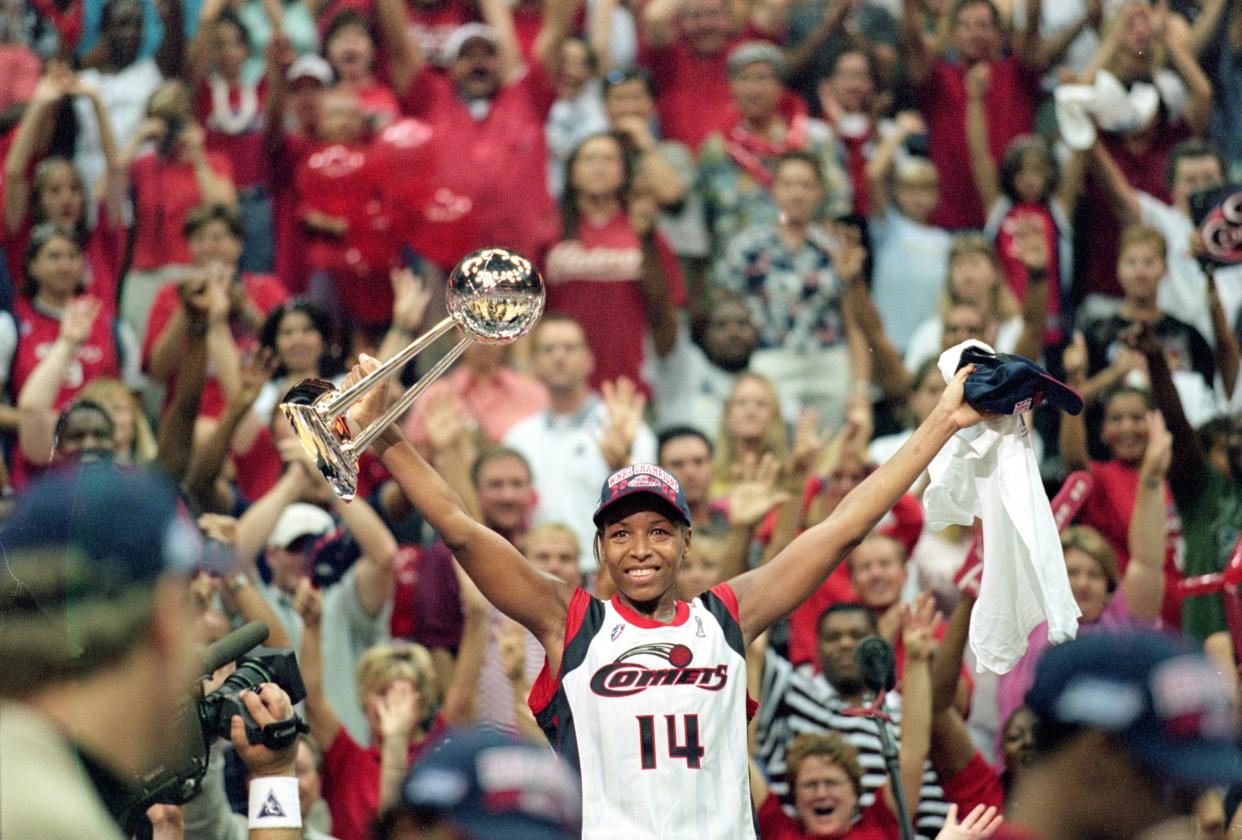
column 644, row 693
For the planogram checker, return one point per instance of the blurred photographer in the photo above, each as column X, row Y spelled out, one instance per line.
column 98, row 655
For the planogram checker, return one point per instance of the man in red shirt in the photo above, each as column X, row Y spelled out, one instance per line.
column 940, row 90
column 686, row 45
column 488, row 117
column 1130, row 726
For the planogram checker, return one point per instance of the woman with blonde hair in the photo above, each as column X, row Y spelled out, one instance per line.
column 405, row 707
column 752, row 427
column 135, row 441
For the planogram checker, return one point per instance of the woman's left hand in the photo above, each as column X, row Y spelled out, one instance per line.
column 980, row 822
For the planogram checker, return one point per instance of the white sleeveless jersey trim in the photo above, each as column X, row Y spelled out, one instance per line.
column 659, row 719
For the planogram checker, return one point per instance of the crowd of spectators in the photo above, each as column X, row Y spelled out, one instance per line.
column 759, row 222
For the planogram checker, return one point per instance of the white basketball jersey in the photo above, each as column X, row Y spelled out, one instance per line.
column 654, row 716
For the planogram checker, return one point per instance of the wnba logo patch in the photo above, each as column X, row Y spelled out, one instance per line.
column 622, row 677
column 616, row 631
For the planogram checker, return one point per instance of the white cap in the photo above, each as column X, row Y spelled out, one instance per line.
column 300, row 520
column 467, row 32
column 310, row 66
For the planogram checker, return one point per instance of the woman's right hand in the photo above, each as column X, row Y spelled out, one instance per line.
column 78, row 320
column 1159, row 453
column 1074, row 359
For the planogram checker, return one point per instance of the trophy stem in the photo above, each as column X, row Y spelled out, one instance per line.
column 364, row 438
column 337, row 405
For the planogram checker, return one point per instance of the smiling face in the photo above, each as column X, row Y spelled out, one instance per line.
column 839, row 635
column 643, row 551
column 57, row 267
column 749, row 411
column 756, row 90
column 231, row 48
column 1018, row 740
column 598, row 169
column 299, row 344
column 505, row 495
column 878, row 572
column 1088, row 583
column 215, row 242
column 1140, row 265
column 1124, row 430
column 975, row 32
column 706, row 25
column 730, row 337
column 824, row 797
column 351, row 52
column 851, row 81
column 972, row 278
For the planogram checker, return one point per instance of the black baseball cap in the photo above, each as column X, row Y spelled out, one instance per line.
column 1168, row 704
column 1003, row 383
column 494, row 786
column 656, row 482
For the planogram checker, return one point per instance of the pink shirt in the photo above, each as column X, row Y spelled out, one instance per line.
column 496, row 403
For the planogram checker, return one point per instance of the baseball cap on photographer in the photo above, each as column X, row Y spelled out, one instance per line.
column 125, row 523
column 648, row 479
column 1167, row 704
column 300, row 520
column 495, row 786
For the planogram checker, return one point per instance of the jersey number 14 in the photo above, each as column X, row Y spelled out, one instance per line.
column 690, row 749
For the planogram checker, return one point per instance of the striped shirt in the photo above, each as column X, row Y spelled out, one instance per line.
column 798, row 700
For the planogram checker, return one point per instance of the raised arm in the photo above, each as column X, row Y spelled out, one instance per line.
column 1188, row 458
column 37, row 400
column 1031, row 244
column 198, row 53
column 537, row 601
column 658, row 26
column 1143, row 583
column 918, row 622
column 913, row 46
column 170, row 56
column 767, row 594
column 558, row 22
column 880, row 166
column 175, row 441
column 798, row 57
column 499, row 16
column 30, row 141
column 1178, row 41
column 981, row 164
column 379, row 550
column 755, row 493
column 661, row 316
column 1227, row 362
column 320, row 716
column 1122, row 196
column 1206, row 24
column 1073, row 432
column 405, row 56
column 1047, row 52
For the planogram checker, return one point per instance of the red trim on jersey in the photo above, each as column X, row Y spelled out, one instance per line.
column 683, row 615
column 725, row 593
column 752, row 706
column 544, row 689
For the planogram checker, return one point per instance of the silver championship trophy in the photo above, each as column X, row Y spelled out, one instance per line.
column 494, row 295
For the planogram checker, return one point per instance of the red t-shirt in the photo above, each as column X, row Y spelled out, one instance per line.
column 37, row 331
column 595, row 278
column 975, row 784
column 264, row 290
column 1109, row 509
column 164, row 194
column 692, row 91
column 287, row 230
column 235, row 130
column 426, row 606
column 351, row 781
column 874, row 823
column 1012, row 95
column 497, row 164
column 1016, row 272
column 1144, row 171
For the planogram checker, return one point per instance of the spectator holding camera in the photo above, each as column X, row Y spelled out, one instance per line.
column 80, row 720
column 170, row 172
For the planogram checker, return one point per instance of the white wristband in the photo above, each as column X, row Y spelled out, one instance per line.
column 274, row 802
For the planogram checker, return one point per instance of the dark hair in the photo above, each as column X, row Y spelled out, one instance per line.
column 76, row 406
column 674, row 432
column 105, row 15
column 1122, row 389
column 569, row 199
column 205, row 214
column 496, row 453
column 39, row 237
column 1011, row 163
column 845, row 607
column 230, row 17
column 591, row 56
column 616, row 78
column 1188, row 149
column 343, row 20
column 321, row 321
column 868, row 55
column 961, row 5
column 801, row 156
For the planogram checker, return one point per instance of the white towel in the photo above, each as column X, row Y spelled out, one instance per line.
column 989, row 471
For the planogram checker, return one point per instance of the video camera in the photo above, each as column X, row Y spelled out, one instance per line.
column 204, row 717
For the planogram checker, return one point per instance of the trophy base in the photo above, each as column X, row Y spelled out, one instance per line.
column 323, row 438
